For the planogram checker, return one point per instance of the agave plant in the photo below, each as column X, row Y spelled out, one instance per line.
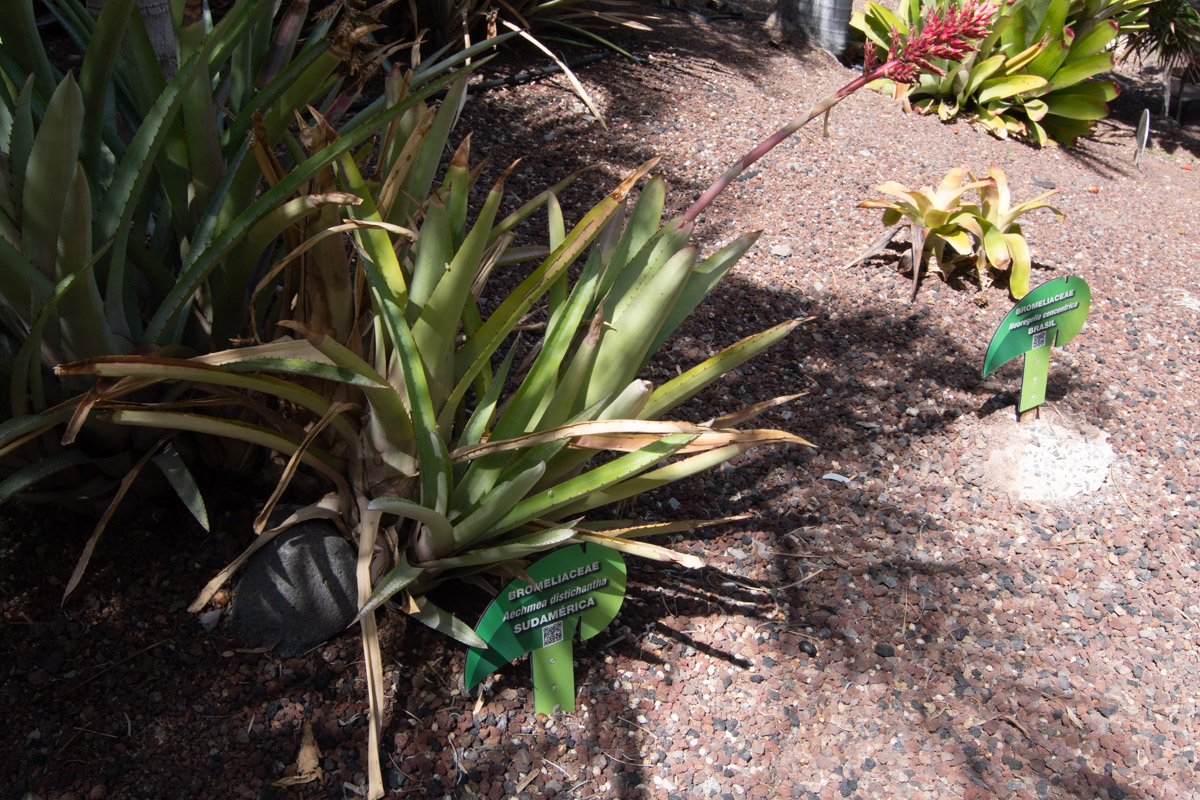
column 1030, row 74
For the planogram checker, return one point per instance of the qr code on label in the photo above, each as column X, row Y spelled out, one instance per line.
column 1039, row 339
column 552, row 633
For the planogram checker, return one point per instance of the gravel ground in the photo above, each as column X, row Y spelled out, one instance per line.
column 923, row 625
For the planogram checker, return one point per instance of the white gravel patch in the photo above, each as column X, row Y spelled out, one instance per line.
column 1045, row 460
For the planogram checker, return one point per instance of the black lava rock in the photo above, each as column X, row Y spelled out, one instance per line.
column 298, row 590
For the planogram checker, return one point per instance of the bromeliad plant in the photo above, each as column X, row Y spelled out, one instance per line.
column 987, row 232
column 1001, row 243
column 934, row 218
column 447, row 456
column 1030, row 75
column 151, row 240
column 948, row 33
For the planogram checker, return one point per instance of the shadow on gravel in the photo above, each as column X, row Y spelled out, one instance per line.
column 558, row 122
column 1141, row 89
column 876, row 581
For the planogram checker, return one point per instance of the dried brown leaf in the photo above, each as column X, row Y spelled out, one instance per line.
column 308, row 761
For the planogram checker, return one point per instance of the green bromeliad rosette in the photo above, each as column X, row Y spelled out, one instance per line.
column 576, row 588
column 1051, row 315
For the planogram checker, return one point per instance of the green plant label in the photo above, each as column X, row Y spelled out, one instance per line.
column 576, row 588
column 1049, row 316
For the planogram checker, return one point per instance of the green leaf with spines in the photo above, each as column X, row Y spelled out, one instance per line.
column 445, row 623
column 523, row 414
column 85, row 331
column 18, row 29
column 431, row 254
column 544, row 504
column 262, row 436
column 49, row 175
column 436, row 328
column 624, row 348
column 481, row 345
column 641, row 269
column 420, row 175
column 519, row 547
column 433, row 457
column 398, row 578
column 159, row 368
column 640, row 484
column 694, row 380
column 95, row 76
column 706, row 275
column 643, row 223
column 30, row 475
column 482, row 516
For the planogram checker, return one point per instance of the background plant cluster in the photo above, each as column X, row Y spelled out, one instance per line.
column 1169, row 34
column 1031, row 76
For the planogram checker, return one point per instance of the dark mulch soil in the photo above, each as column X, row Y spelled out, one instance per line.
column 914, row 629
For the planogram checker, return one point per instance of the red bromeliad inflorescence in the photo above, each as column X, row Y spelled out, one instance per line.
column 947, row 36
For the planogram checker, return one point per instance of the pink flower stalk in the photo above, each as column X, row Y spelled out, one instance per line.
column 947, row 36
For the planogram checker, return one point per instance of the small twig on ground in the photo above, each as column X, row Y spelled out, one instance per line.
column 454, row 752
column 1113, row 477
column 98, row 733
column 86, row 681
column 634, row 724
column 1017, row 725
column 528, row 779
column 579, row 785
column 623, row 761
column 805, row 579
